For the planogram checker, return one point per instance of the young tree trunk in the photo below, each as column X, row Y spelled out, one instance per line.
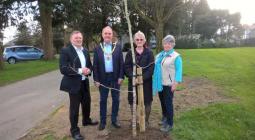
column 1, row 51
column 134, row 70
column 46, row 23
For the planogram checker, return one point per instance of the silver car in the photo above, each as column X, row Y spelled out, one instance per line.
column 20, row 53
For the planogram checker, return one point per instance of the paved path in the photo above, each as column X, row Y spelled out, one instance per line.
column 26, row 103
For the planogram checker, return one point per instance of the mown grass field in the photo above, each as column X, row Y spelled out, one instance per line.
column 233, row 69
column 24, row 70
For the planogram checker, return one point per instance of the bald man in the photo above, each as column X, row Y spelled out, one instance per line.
column 108, row 70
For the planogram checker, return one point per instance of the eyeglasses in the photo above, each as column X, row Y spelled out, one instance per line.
column 138, row 39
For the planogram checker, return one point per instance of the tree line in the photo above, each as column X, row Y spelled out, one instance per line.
column 153, row 17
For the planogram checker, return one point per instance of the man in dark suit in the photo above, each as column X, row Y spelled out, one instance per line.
column 108, row 71
column 76, row 66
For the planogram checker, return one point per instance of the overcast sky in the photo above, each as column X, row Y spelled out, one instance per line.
column 245, row 7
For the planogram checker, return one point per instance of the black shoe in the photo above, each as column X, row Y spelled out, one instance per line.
column 101, row 127
column 77, row 136
column 90, row 122
column 116, row 125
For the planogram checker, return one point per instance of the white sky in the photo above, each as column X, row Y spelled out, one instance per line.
column 245, row 7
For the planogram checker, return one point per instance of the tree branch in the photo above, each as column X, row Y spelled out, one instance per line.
column 143, row 14
column 171, row 11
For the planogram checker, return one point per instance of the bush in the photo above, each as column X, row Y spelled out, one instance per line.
column 249, row 41
column 186, row 43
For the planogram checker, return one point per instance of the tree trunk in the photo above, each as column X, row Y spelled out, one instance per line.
column 45, row 7
column 1, row 51
column 134, row 69
column 159, row 35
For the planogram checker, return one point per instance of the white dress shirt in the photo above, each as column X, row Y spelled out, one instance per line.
column 82, row 59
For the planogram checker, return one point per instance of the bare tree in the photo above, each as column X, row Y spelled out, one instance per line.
column 157, row 13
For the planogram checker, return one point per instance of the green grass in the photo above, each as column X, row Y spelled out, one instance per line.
column 24, row 70
column 233, row 69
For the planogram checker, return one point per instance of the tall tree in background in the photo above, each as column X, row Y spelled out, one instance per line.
column 157, row 13
column 200, row 9
column 23, row 36
column 6, row 18
column 45, row 8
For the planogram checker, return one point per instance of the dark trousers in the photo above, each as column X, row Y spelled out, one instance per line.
column 103, row 99
column 166, row 100
column 83, row 98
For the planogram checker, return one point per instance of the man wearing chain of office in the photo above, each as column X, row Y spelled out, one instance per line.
column 108, row 71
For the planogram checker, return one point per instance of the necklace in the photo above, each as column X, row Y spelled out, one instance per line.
column 108, row 55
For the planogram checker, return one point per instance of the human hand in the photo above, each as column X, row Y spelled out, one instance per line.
column 120, row 81
column 86, row 71
column 174, row 86
column 97, row 84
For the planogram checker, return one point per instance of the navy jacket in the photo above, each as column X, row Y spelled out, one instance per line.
column 69, row 63
column 99, row 65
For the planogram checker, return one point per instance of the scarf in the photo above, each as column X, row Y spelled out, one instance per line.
column 157, row 74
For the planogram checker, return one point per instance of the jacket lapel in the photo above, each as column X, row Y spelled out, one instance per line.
column 76, row 59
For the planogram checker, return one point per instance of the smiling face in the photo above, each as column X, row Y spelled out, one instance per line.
column 167, row 46
column 76, row 39
column 107, row 34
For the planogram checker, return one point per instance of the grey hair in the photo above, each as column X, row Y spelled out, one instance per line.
column 169, row 39
column 139, row 33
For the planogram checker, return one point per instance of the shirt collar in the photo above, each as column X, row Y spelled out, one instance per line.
column 108, row 44
column 170, row 51
column 78, row 48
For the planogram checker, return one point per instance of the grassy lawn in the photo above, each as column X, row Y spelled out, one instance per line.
column 233, row 69
column 24, row 70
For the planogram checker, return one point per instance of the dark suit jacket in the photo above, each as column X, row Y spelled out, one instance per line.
column 142, row 60
column 99, row 65
column 69, row 64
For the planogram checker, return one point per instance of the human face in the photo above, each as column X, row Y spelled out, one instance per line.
column 77, row 39
column 139, row 41
column 167, row 46
column 107, row 34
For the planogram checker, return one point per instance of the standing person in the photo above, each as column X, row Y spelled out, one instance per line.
column 144, row 58
column 167, row 75
column 76, row 66
column 108, row 71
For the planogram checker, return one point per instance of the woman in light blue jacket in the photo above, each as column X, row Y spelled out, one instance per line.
column 167, row 74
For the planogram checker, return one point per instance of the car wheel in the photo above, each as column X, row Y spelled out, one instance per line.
column 11, row 60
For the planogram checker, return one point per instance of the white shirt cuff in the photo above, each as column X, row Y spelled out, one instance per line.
column 80, row 71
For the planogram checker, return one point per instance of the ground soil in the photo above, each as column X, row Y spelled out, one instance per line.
column 194, row 92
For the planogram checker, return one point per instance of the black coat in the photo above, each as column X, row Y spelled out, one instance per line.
column 99, row 65
column 142, row 60
column 69, row 63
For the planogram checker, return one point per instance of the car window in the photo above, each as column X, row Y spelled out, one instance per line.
column 37, row 50
column 20, row 49
column 31, row 50
column 7, row 50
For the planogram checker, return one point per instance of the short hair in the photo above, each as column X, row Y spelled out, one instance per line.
column 107, row 27
column 169, row 39
column 75, row 32
column 140, row 33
